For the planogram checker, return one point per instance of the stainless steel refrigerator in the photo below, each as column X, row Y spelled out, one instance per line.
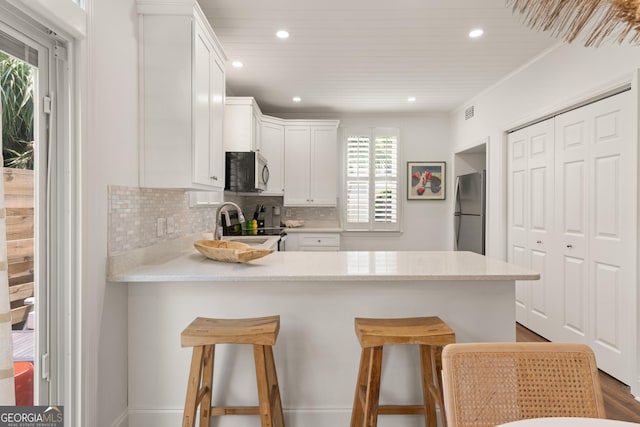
column 469, row 216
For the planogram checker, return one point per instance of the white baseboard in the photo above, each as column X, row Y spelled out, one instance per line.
column 293, row 418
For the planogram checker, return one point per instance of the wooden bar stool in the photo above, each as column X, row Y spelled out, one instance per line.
column 431, row 334
column 203, row 334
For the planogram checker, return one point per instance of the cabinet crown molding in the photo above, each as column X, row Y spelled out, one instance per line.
column 177, row 8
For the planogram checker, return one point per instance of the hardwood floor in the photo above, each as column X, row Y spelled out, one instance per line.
column 618, row 401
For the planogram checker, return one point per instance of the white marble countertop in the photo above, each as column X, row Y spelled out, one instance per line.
column 188, row 265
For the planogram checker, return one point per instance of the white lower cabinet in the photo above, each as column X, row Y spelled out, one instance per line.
column 572, row 208
column 313, row 242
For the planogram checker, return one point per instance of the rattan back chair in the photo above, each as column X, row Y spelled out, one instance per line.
column 486, row 384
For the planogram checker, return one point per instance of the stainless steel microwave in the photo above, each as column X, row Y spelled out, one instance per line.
column 245, row 171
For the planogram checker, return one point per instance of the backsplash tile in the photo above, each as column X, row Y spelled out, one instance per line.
column 312, row 216
column 134, row 213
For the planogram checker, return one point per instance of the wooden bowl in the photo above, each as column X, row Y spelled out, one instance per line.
column 225, row 251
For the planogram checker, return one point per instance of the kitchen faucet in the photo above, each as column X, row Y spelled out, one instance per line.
column 217, row 227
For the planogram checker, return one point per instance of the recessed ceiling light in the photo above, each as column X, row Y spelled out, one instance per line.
column 237, row 64
column 282, row 34
column 411, row 99
column 297, row 99
column 476, row 33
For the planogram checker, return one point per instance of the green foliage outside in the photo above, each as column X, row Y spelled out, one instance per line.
column 16, row 83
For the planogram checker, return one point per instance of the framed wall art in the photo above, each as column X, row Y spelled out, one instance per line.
column 426, row 180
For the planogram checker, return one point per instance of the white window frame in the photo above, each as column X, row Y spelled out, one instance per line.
column 371, row 225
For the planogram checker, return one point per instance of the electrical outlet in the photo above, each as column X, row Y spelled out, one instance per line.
column 287, row 212
column 171, row 225
column 161, row 226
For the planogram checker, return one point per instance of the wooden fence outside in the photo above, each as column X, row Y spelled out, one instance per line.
column 19, row 204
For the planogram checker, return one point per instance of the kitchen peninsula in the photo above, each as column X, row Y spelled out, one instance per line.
column 317, row 295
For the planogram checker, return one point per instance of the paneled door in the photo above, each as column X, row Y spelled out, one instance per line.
column 596, row 218
column 531, row 221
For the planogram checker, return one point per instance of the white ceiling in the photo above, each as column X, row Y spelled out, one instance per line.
column 368, row 56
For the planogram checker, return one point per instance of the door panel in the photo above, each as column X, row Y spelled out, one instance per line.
column 539, row 184
column 518, row 199
column 573, row 202
column 516, row 256
column 573, row 297
column 531, row 219
column 597, row 217
column 607, row 287
column 606, row 191
column 539, row 305
column 516, row 237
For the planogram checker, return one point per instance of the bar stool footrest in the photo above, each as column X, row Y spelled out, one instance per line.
column 400, row 410
column 235, row 410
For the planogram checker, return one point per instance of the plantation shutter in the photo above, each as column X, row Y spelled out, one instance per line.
column 386, row 182
column 357, row 182
column 371, row 180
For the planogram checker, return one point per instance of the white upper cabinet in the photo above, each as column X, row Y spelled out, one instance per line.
column 182, row 91
column 311, row 159
column 272, row 137
column 242, row 124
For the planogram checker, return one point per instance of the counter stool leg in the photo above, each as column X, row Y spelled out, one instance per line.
column 373, row 388
column 274, row 387
column 193, row 387
column 426, row 366
column 361, row 384
column 264, row 403
column 207, row 385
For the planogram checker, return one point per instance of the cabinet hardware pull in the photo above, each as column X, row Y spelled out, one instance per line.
column 215, row 178
column 569, row 246
column 538, row 241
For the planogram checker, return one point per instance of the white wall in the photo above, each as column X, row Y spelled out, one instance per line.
column 110, row 156
column 427, row 225
column 558, row 79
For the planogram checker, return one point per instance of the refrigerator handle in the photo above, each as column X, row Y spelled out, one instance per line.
column 458, row 210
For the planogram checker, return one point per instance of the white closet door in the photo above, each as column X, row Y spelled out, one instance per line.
column 516, row 221
column 531, row 220
column 596, row 217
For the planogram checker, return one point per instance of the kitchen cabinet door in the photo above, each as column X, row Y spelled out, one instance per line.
column 316, row 241
column 182, row 99
column 311, row 158
column 323, row 169
column 272, row 136
column 242, row 122
column 297, row 159
column 208, row 164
